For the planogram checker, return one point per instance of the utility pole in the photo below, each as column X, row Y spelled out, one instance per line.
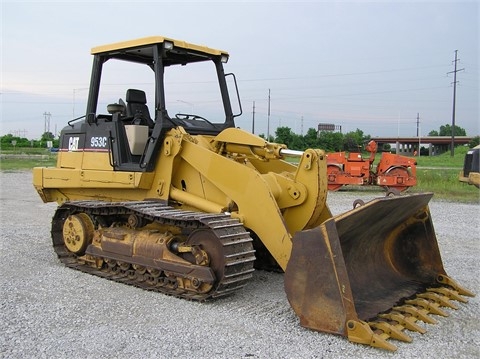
column 452, row 152
column 418, row 133
column 418, row 121
column 20, row 133
column 253, row 118
column 46, row 127
column 268, row 119
column 302, row 126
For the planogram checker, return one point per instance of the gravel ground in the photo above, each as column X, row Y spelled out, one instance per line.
column 51, row 311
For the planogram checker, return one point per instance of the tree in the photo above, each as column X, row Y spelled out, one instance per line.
column 474, row 142
column 264, row 136
column 47, row 136
column 330, row 141
column 446, row 130
column 354, row 141
column 6, row 141
column 311, row 139
column 22, row 142
column 284, row 135
column 298, row 143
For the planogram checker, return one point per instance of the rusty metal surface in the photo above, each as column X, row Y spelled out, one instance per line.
column 131, row 256
column 390, row 250
column 363, row 263
column 316, row 281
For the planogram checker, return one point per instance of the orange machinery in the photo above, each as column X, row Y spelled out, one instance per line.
column 393, row 172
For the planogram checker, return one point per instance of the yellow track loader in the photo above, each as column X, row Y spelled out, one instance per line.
column 471, row 167
column 157, row 188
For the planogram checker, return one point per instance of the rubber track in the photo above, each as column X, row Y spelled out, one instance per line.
column 229, row 231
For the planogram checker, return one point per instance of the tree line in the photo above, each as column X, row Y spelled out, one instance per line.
column 350, row 141
column 10, row 141
column 328, row 140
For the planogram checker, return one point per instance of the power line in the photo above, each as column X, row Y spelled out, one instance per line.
column 339, row 74
column 20, row 133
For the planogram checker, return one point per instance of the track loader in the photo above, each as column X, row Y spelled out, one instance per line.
column 471, row 167
column 186, row 204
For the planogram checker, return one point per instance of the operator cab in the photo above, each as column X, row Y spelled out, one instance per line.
column 140, row 89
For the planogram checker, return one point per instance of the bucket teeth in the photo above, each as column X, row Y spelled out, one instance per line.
column 449, row 293
column 430, row 306
column 406, row 322
column 419, row 313
column 438, row 298
column 361, row 332
column 393, row 323
column 395, row 331
column 446, row 280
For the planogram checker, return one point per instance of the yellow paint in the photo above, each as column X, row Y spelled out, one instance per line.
column 146, row 41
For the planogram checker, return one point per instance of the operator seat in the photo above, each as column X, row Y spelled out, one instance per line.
column 137, row 108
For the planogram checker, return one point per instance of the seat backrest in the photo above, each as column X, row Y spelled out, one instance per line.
column 137, row 107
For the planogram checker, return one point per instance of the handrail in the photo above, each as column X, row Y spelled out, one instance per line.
column 75, row 119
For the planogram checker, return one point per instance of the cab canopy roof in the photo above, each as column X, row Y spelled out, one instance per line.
column 175, row 51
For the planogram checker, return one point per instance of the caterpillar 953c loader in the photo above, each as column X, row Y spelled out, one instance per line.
column 188, row 205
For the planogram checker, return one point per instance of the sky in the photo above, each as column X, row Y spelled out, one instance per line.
column 373, row 66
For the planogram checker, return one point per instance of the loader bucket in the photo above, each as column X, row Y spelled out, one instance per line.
column 370, row 273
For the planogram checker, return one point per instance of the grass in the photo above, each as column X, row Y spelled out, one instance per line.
column 27, row 159
column 26, row 151
column 444, row 160
column 444, row 183
column 439, row 174
column 25, row 164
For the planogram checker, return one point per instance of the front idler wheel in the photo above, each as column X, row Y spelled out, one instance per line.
column 78, row 233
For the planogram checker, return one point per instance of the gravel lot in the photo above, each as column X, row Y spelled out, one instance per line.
column 48, row 311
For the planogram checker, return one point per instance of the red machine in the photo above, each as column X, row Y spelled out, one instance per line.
column 393, row 172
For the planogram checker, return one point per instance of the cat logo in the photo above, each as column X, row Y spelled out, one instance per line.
column 73, row 143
